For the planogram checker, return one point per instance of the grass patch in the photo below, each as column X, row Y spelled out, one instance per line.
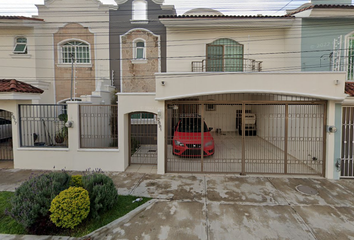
column 7, row 224
column 124, row 205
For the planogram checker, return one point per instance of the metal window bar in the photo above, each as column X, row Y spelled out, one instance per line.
column 249, row 65
column 98, row 126
column 43, row 125
column 350, row 59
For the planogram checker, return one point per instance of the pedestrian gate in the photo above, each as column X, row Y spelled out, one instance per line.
column 347, row 164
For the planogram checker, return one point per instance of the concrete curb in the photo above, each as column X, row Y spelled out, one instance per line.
column 33, row 237
column 126, row 217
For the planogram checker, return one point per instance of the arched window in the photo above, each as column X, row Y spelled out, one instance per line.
column 139, row 49
column 224, row 55
column 77, row 50
column 139, row 10
column 20, row 45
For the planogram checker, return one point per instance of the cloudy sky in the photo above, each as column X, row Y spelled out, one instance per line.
column 246, row 7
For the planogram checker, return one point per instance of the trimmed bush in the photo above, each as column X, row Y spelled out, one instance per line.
column 32, row 199
column 70, row 207
column 76, row 181
column 103, row 193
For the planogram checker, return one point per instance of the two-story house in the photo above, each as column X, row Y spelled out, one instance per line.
column 231, row 74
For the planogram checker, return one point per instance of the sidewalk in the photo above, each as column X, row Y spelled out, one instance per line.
column 224, row 207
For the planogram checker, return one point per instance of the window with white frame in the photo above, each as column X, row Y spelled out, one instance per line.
column 139, row 50
column 77, row 50
column 139, row 10
column 350, row 57
column 20, row 45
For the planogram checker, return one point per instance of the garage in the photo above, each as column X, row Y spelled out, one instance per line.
column 246, row 134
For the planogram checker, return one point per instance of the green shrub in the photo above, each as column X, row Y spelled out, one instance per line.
column 103, row 193
column 70, row 207
column 76, row 181
column 32, row 199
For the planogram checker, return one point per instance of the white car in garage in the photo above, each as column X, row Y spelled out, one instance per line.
column 5, row 129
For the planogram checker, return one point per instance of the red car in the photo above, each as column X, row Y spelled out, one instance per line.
column 187, row 138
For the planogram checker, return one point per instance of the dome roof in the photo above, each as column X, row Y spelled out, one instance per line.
column 203, row 11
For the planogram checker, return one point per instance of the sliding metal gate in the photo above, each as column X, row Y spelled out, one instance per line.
column 287, row 137
column 6, row 151
column 347, row 163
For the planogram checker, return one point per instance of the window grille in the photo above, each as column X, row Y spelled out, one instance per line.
column 224, row 55
column 351, row 58
column 80, row 50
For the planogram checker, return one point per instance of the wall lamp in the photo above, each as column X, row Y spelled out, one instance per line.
column 331, row 129
column 69, row 124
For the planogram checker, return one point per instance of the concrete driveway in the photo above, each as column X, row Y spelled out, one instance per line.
column 226, row 207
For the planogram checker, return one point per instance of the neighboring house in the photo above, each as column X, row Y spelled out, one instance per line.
column 45, row 46
column 137, row 44
column 20, row 53
column 198, row 93
column 327, row 45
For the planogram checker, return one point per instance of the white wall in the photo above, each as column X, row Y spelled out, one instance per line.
column 312, row 84
column 113, row 159
column 141, row 102
column 185, row 45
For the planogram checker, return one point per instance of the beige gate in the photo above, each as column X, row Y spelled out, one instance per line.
column 268, row 135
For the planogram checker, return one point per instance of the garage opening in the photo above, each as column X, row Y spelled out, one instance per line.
column 6, row 150
column 143, row 138
column 246, row 134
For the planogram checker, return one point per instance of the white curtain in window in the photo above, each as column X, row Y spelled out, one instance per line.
column 139, row 10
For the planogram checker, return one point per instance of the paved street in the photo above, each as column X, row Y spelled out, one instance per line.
column 224, row 207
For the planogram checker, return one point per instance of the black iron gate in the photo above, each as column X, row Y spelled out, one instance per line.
column 265, row 137
column 6, row 150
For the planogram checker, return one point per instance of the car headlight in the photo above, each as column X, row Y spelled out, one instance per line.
column 208, row 144
column 178, row 143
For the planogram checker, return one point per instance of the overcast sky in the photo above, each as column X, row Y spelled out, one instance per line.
column 246, row 7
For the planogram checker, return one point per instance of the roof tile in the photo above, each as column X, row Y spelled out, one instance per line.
column 12, row 85
column 349, row 88
column 20, row 18
column 223, row 16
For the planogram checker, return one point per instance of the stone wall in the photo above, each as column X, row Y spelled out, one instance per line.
column 138, row 76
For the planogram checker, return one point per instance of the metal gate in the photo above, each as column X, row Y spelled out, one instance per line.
column 143, row 138
column 6, row 151
column 347, row 164
column 274, row 137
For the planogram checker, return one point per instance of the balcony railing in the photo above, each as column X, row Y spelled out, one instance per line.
column 227, row 65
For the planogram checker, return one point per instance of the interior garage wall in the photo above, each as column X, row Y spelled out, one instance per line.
column 305, row 129
column 223, row 117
